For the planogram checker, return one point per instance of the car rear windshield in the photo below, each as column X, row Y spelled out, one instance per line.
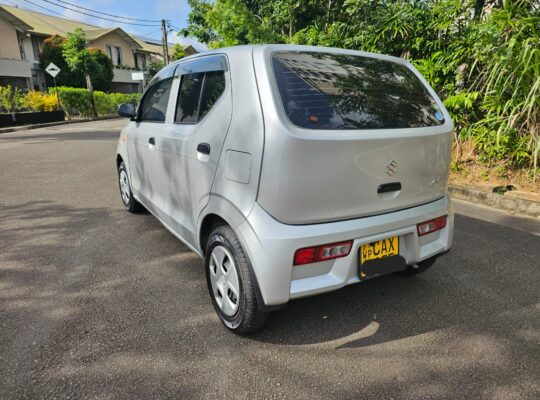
column 342, row 91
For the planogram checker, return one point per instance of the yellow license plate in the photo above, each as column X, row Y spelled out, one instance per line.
column 379, row 249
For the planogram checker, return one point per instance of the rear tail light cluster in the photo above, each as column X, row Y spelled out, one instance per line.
column 431, row 226
column 324, row 252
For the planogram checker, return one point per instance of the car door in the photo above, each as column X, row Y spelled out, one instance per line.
column 191, row 146
column 144, row 141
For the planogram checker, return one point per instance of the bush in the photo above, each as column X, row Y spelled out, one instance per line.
column 11, row 99
column 76, row 101
column 39, row 101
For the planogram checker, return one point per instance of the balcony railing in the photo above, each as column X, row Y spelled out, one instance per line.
column 124, row 75
column 15, row 68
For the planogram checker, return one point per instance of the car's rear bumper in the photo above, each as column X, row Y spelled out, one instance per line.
column 271, row 246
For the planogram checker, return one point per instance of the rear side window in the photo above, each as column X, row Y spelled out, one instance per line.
column 187, row 108
column 214, row 86
column 341, row 91
column 155, row 101
column 198, row 94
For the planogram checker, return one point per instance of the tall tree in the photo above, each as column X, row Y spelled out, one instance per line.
column 79, row 59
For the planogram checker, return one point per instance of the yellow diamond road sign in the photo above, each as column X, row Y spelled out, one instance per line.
column 52, row 70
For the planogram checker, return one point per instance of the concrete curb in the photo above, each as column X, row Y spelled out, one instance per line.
column 507, row 203
column 67, row 122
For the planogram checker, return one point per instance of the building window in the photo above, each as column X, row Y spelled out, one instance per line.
column 20, row 37
column 36, row 47
column 115, row 54
column 140, row 61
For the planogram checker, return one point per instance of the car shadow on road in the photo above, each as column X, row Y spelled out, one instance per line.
column 477, row 287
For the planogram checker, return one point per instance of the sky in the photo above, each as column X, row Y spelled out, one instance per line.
column 174, row 10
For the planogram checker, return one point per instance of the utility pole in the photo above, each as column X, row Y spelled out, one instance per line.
column 165, row 45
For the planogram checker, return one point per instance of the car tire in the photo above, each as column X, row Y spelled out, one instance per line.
column 232, row 283
column 126, row 194
column 419, row 267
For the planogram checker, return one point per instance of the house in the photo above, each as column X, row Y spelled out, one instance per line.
column 23, row 32
column 15, row 68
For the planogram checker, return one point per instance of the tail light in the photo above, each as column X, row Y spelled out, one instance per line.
column 431, row 226
column 324, row 252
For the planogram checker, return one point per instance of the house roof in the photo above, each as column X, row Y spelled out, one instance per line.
column 19, row 23
column 93, row 34
column 48, row 25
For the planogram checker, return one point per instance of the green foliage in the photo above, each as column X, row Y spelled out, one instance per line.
column 481, row 56
column 76, row 54
column 155, row 67
column 178, row 52
column 101, row 71
column 107, row 104
column 52, row 52
column 76, row 101
column 11, row 98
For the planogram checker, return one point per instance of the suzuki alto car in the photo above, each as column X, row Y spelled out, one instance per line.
column 292, row 170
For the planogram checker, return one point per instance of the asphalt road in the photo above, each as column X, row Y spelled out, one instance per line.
column 98, row 303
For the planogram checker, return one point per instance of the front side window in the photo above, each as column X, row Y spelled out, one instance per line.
column 342, row 91
column 154, row 104
column 198, row 94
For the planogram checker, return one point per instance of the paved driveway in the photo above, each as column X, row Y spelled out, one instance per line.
column 98, row 303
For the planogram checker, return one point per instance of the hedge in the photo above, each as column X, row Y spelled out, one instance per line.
column 75, row 101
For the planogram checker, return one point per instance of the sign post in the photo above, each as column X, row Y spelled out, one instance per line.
column 53, row 70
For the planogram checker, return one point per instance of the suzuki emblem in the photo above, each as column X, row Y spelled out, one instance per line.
column 391, row 168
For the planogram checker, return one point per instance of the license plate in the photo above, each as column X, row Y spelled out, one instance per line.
column 379, row 249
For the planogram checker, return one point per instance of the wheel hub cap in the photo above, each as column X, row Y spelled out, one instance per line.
column 124, row 187
column 224, row 281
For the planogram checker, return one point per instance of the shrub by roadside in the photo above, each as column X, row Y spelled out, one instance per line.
column 76, row 102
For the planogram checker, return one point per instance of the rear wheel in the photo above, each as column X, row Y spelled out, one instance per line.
column 231, row 283
column 129, row 201
column 419, row 267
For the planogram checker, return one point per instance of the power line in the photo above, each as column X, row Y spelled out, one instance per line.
column 103, row 13
column 152, row 32
column 44, row 8
column 90, row 15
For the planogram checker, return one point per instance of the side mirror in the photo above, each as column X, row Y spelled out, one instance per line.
column 126, row 110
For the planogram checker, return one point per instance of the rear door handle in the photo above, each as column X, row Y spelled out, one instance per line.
column 203, row 148
column 152, row 141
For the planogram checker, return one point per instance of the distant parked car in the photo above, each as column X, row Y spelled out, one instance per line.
column 292, row 170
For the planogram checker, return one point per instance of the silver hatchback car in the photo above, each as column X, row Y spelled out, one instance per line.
column 292, row 170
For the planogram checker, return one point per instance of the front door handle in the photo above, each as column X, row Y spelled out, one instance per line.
column 203, row 148
column 152, row 141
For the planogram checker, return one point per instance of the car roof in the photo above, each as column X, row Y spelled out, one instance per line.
column 243, row 49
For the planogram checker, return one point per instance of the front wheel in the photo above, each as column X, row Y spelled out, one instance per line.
column 231, row 283
column 129, row 201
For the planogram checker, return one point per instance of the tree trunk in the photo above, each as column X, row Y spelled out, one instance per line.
column 90, row 88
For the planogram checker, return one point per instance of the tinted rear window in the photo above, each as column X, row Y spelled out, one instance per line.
column 341, row 91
